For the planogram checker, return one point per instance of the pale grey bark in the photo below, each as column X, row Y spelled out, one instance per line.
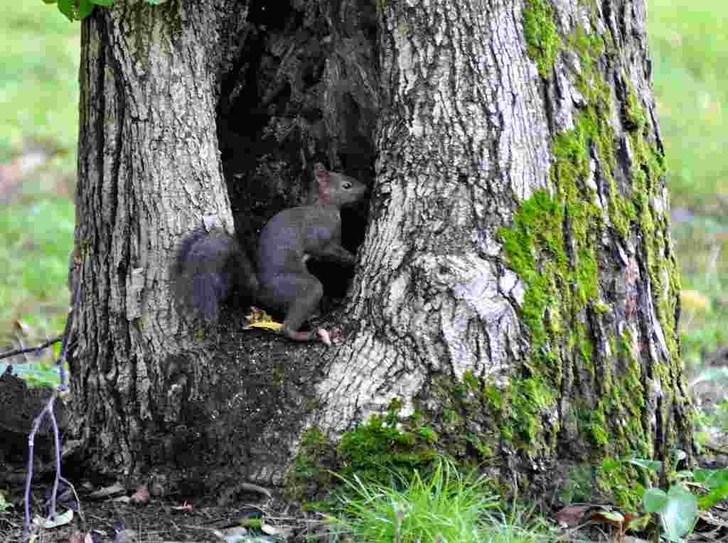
column 148, row 173
column 463, row 137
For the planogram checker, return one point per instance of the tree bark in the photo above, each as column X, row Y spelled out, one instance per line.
column 520, row 235
column 148, row 172
column 516, row 291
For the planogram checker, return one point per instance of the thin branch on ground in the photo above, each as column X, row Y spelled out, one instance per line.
column 26, row 350
column 49, row 412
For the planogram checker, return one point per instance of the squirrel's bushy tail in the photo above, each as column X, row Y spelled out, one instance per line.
column 211, row 268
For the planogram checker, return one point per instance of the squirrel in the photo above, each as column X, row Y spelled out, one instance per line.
column 211, row 266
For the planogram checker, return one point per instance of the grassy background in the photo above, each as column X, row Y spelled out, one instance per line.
column 39, row 93
column 689, row 44
column 38, row 81
column 39, row 52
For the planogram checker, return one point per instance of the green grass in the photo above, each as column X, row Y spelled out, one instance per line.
column 34, row 247
column 689, row 45
column 39, row 52
column 38, row 79
column 703, row 249
column 443, row 506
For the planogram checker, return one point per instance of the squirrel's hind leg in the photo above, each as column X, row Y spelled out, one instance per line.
column 309, row 292
column 300, row 294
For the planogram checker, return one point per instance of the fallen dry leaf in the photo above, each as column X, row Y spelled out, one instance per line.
column 572, row 515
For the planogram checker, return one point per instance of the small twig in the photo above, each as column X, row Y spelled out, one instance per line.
column 252, row 487
column 192, row 527
column 102, row 520
column 48, row 411
column 44, row 345
column 75, row 495
column 48, row 408
column 715, row 449
column 57, row 443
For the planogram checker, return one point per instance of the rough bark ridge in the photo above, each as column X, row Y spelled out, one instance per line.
column 148, row 170
column 462, row 133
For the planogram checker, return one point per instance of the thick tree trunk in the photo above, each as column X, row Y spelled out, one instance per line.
column 515, row 299
column 520, row 238
column 148, row 172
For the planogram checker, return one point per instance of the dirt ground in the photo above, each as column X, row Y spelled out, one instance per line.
column 119, row 520
column 113, row 514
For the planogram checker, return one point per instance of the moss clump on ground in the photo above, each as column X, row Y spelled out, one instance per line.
column 310, row 473
column 392, row 447
column 387, row 444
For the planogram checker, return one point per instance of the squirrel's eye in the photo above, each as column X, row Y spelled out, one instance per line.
column 347, row 185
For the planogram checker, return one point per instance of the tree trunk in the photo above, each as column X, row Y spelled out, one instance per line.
column 148, row 172
column 515, row 300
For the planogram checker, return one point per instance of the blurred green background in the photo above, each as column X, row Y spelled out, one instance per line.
column 39, row 93
column 39, row 55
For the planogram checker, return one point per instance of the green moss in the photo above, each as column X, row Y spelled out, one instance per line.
column 648, row 171
column 553, row 246
column 387, row 444
column 542, row 38
column 589, row 47
column 484, row 450
column 596, row 426
column 537, row 229
column 471, row 381
column 309, row 475
column 472, row 412
column 634, row 116
column 493, row 399
column 279, row 375
column 450, row 417
column 529, row 398
column 146, row 34
column 612, row 481
column 617, row 482
column 252, row 523
column 579, row 487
